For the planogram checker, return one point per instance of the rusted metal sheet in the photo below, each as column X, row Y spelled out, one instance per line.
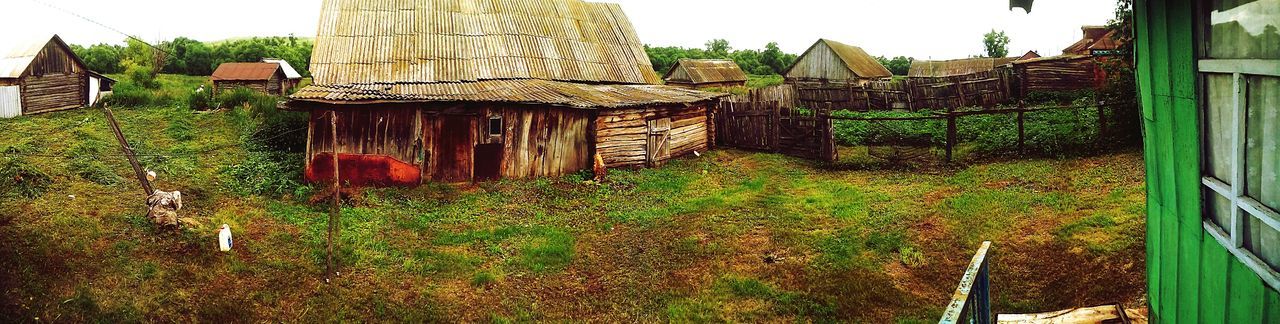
column 237, row 71
column 695, row 72
column 565, row 94
column 363, row 41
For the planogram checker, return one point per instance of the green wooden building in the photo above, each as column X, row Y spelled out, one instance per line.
column 1209, row 74
column 1209, row 77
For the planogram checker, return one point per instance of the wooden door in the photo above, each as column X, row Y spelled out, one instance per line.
column 659, row 148
column 453, row 151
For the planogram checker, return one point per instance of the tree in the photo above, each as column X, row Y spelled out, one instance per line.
column 101, row 58
column 189, row 56
column 775, row 59
column 900, row 65
column 996, row 43
column 718, row 48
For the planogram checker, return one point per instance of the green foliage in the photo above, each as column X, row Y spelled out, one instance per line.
column 996, row 43
column 899, row 65
column 129, row 94
column 764, row 81
column 264, row 173
column 200, row 100
column 1065, row 97
column 279, row 130
column 101, row 58
column 192, row 57
column 769, row 61
column 21, row 178
column 142, row 76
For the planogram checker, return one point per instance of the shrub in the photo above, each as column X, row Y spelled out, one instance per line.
column 264, row 173
column 129, row 94
column 279, row 130
column 142, row 76
column 238, row 97
column 200, row 100
column 22, row 178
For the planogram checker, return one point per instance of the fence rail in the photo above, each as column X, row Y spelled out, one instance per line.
column 971, row 302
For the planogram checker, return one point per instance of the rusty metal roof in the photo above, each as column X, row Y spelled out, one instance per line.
column 528, row 91
column 858, row 60
column 394, row 41
column 245, row 71
column 705, row 71
column 935, row 69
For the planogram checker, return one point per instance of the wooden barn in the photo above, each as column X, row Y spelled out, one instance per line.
column 1057, row 73
column 503, row 99
column 291, row 76
column 835, row 63
column 268, row 78
column 703, row 74
column 44, row 76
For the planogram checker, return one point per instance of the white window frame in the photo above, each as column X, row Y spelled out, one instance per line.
column 1241, row 204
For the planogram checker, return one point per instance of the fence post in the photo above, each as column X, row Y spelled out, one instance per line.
column 1102, row 124
column 1022, row 131
column 951, row 133
column 775, row 121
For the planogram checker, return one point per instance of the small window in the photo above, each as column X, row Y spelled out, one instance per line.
column 495, row 126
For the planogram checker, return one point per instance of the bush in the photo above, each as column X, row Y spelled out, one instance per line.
column 264, row 173
column 200, row 100
column 1059, row 97
column 280, row 130
column 129, row 94
column 142, row 76
column 21, row 178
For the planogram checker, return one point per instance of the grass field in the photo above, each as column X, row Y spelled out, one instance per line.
column 730, row 236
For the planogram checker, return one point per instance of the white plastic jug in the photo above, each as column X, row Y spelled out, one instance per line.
column 224, row 238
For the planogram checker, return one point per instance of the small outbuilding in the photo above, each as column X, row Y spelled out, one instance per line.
column 703, row 74
column 835, row 63
column 291, row 76
column 474, row 90
column 1028, row 56
column 45, row 76
column 268, row 78
column 925, row 70
column 1057, row 73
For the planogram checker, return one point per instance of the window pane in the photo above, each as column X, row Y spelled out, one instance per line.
column 1244, row 29
column 1263, row 241
column 1218, row 130
column 1262, row 159
column 1218, row 210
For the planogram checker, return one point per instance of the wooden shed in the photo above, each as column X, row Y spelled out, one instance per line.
column 926, row 70
column 291, row 76
column 263, row 77
column 703, row 74
column 45, row 76
column 832, row 62
column 536, row 98
column 1057, row 73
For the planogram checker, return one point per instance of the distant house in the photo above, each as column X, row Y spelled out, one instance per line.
column 268, row 78
column 702, row 74
column 45, row 76
column 832, row 62
column 291, row 75
column 924, row 69
column 1028, row 56
column 462, row 92
column 1096, row 41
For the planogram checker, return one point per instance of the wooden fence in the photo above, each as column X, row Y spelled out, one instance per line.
column 985, row 89
column 768, row 126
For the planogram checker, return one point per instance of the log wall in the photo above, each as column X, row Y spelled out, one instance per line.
column 1058, row 75
column 54, row 81
column 622, row 135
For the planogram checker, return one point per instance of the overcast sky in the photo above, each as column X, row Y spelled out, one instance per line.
column 937, row 29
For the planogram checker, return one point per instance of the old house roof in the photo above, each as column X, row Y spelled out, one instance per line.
column 705, row 71
column 1093, row 38
column 854, row 58
column 289, row 71
column 1028, row 56
column 457, row 49
column 238, row 71
column 934, row 69
column 18, row 55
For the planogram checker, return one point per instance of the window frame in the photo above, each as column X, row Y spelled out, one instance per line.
column 1241, row 204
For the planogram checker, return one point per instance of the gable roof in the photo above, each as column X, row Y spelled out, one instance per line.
column 854, row 58
column 1029, row 55
column 1094, row 38
column 706, row 71
column 934, row 69
column 289, row 71
column 386, row 41
column 17, row 56
column 239, row 71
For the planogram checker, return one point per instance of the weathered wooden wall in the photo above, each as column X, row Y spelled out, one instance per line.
column 821, row 64
column 622, row 134
column 228, row 85
column 388, row 131
column 543, row 141
column 783, row 94
column 1057, row 75
column 766, row 126
column 985, row 89
column 54, row 81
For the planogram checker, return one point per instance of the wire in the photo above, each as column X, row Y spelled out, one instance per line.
column 69, row 12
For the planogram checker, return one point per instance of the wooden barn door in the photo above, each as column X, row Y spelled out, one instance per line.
column 659, row 148
column 453, row 150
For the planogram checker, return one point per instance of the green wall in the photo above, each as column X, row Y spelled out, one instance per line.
column 1191, row 278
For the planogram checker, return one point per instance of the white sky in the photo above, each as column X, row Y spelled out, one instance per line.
column 937, row 29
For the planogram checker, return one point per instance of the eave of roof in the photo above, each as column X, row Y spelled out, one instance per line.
column 708, row 71
column 245, row 71
column 527, row 91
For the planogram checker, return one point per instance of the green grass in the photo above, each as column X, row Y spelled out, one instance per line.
column 731, row 236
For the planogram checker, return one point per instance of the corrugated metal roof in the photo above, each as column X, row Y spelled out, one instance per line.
column 935, row 69
column 289, row 71
column 566, row 94
column 390, row 41
column 858, row 60
column 707, row 71
column 240, row 71
column 19, row 54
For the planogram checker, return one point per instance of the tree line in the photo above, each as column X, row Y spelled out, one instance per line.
column 770, row 60
column 192, row 57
